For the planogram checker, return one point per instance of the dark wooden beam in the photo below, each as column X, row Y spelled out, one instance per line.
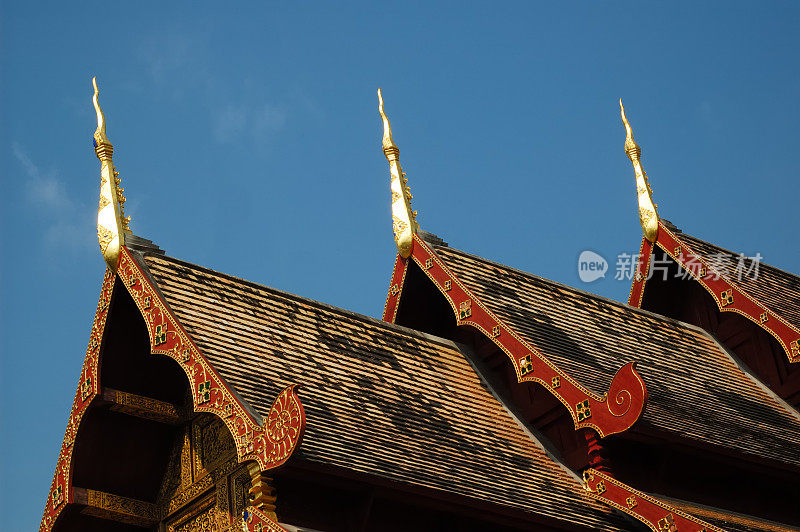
column 143, row 407
column 117, row 508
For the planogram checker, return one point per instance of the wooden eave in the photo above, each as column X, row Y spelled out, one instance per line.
column 610, row 412
column 590, row 336
column 772, row 303
column 383, row 401
column 209, row 392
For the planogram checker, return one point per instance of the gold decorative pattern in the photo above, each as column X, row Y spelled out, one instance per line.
column 648, row 210
column 726, row 298
column 612, row 412
column 255, row 520
column 87, row 390
column 104, row 237
column 657, row 515
column 120, row 509
column 269, row 443
column 464, row 309
column 144, row 407
column 209, row 519
column 404, row 220
column 253, row 440
column 667, row 524
column 583, row 411
column 525, row 365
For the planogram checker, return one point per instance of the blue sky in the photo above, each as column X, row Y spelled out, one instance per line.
column 248, row 140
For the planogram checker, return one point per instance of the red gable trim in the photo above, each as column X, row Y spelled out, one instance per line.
column 628, row 391
column 61, row 491
column 395, row 289
column 659, row 516
column 728, row 296
column 270, row 444
column 254, row 520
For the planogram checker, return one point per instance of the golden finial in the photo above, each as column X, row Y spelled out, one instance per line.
column 112, row 225
column 648, row 210
column 404, row 220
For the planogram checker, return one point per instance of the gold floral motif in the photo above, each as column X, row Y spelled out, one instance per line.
column 646, row 215
column 583, row 411
column 525, row 365
column 465, row 309
column 667, row 524
column 726, row 297
column 398, row 226
column 104, row 236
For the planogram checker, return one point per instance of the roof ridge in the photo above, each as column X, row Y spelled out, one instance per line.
column 311, row 302
column 705, row 510
column 744, row 368
column 592, row 295
column 539, row 439
column 726, row 250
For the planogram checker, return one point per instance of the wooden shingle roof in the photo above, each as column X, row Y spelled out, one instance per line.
column 776, row 289
column 380, row 399
column 696, row 391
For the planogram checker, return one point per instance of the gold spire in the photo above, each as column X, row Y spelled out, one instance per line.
column 112, row 225
column 648, row 210
column 404, row 220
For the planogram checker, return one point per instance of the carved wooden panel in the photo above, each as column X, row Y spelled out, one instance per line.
column 204, row 488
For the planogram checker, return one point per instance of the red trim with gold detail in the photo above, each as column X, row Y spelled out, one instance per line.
column 254, row 520
column 640, row 275
column 270, row 444
column 395, row 289
column 627, row 392
column 728, row 296
column 61, row 491
column 659, row 516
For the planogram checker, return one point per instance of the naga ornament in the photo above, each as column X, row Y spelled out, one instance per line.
column 112, row 225
column 404, row 220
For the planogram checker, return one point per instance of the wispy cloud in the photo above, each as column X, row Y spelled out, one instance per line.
column 258, row 121
column 46, row 193
column 177, row 67
column 269, row 119
column 229, row 123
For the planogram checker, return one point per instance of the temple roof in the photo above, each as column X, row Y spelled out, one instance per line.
column 380, row 399
column 730, row 521
column 776, row 289
column 696, row 391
